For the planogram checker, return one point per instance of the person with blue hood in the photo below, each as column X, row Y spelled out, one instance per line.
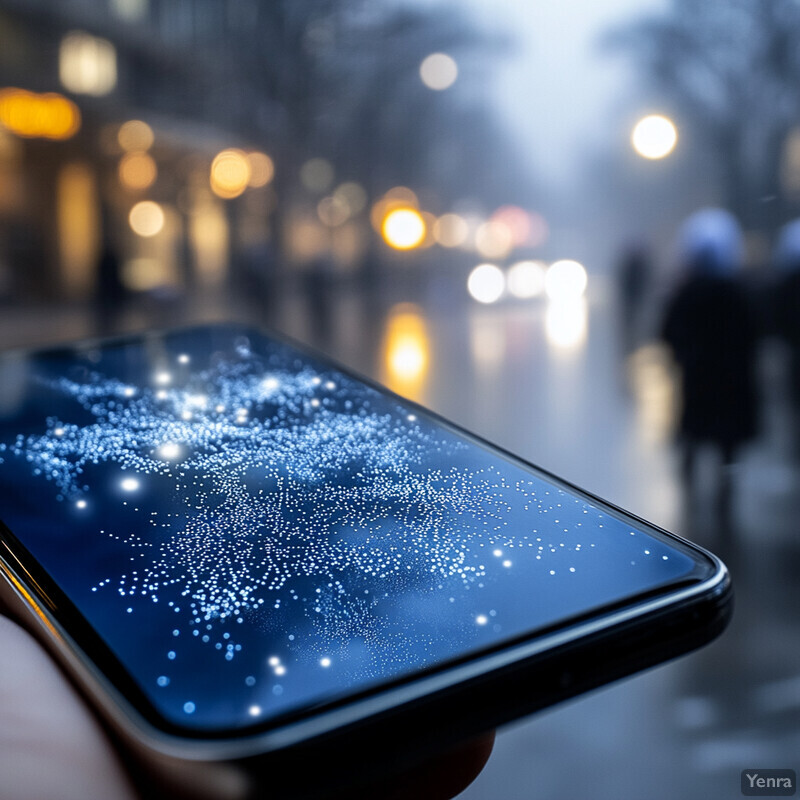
column 711, row 330
column 786, row 310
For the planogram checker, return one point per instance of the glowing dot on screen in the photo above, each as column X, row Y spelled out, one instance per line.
column 507, row 564
column 162, row 378
column 171, row 655
column 330, row 386
column 280, row 670
column 412, row 417
column 270, row 384
column 274, row 661
column 161, row 394
column 654, row 137
column 169, row 451
column 129, row 484
column 189, row 707
column 186, row 415
column 129, row 391
column 59, row 431
column 552, row 572
column 183, row 358
column 486, row 283
column 254, row 711
column 438, row 71
column 163, row 680
column 572, row 569
column 497, row 553
column 665, row 558
column 325, row 662
column 81, row 504
column 315, row 403
column 481, row 619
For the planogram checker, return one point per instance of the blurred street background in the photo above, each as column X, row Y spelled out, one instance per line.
column 480, row 205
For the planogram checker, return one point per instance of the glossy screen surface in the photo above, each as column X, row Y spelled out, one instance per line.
column 253, row 532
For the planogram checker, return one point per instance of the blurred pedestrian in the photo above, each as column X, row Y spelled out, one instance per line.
column 786, row 313
column 711, row 330
column 633, row 283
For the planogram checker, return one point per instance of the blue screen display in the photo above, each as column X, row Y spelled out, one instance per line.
column 253, row 531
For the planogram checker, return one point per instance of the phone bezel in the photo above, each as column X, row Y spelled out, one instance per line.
column 69, row 631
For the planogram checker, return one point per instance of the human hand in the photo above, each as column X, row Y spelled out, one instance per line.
column 53, row 748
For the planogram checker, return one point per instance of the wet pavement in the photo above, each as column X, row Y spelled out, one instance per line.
column 551, row 385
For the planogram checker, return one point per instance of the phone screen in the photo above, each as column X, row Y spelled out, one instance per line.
column 254, row 532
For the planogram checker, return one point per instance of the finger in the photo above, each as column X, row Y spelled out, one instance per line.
column 440, row 777
column 50, row 744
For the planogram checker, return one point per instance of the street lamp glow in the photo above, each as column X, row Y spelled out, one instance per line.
column 654, row 137
column 403, row 228
column 486, row 283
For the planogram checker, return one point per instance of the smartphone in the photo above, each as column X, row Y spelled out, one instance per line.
column 268, row 573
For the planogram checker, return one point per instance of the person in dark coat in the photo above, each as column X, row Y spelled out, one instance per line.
column 786, row 313
column 712, row 333
column 633, row 284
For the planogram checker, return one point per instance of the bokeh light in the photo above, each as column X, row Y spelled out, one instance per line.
column 654, row 137
column 135, row 135
column 494, row 240
column 403, row 228
column 146, row 218
column 451, row 230
column 407, row 350
column 87, row 64
column 333, row 211
column 137, row 171
column 517, row 221
column 526, row 279
column 566, row 323
column 230, row 174
column 32, row 115
column 486, row 283
column 262, row 169
column 404, row 195
column 438, row 71
column 354, row 195
column 565, row 280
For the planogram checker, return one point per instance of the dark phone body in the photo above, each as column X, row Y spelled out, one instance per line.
column 403, row 718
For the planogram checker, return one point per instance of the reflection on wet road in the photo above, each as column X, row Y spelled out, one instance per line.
column 549, row 383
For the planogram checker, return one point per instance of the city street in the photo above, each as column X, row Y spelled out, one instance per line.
column 550, row 384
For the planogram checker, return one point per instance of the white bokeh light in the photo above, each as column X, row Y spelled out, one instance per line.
column 438, row 71
column 654, row 137
column 565, row 280
column 526, row 279
column 486, row 283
